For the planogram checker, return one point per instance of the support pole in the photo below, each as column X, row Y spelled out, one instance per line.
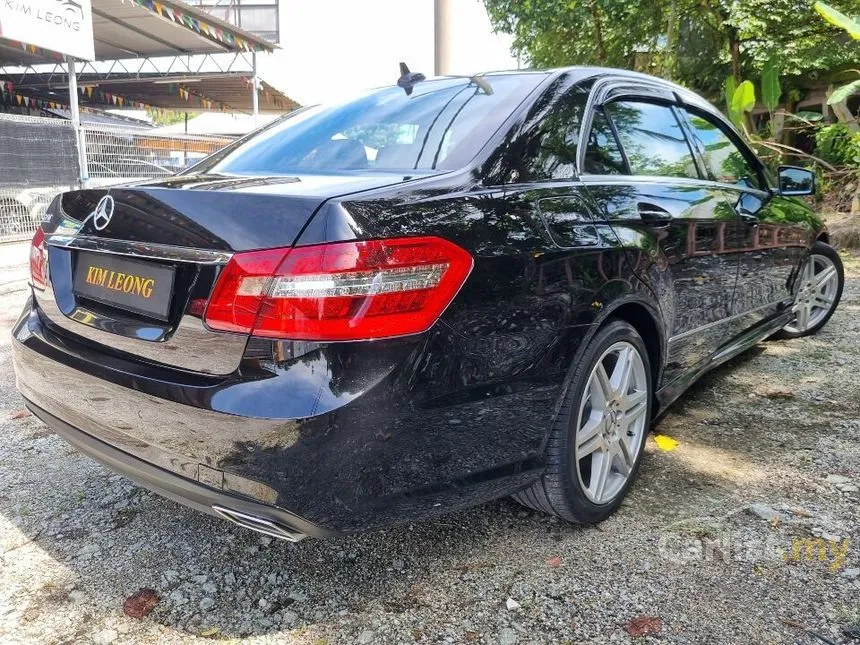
column 441, row 37
column 255, row 99
column 76, row 122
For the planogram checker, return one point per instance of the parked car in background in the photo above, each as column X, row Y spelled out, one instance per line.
column 531, row 266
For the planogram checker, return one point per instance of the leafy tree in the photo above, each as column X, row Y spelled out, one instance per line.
column 697, row 42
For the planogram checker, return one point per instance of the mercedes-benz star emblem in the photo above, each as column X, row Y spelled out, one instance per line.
column 103, row 212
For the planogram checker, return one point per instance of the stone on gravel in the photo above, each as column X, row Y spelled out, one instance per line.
column 512, row 604
column 764, row 512
column 851, row 574
column 207, row 603
column 838, row 479
column 105, row 636
column 366, row 637
column 644, row 626
column 507, row 637
column 88, row 549
column 139, row 604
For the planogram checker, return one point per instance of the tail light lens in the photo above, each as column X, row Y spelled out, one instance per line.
column 38, row 260
column 342, row 291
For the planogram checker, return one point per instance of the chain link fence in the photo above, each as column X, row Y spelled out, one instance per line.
column 118, row 154
column 39, row 159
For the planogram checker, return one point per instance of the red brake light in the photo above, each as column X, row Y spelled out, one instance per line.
column 342, row 291
column 38, row 260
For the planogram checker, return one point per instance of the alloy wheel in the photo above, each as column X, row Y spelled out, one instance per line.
column 611, row 422
column 818, row 284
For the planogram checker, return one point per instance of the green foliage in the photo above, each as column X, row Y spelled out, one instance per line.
column 838, row 19
column 708, row 33
column 729, row 87
column 161, row 117
column 771, row 91
column 838, row 145
column 743, row 100
column 843, row 92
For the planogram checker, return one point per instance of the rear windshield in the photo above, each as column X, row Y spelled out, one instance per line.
column 443, row 124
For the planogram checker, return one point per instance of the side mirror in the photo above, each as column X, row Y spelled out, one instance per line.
column 796, row 181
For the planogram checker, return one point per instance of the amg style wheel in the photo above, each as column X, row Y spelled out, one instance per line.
column 817, row 292
column 596, row 443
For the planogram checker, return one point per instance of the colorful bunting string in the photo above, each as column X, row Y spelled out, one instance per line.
column 212, row 32
column 32, row 49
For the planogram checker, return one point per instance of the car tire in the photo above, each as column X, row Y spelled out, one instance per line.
column 822, row 257
column 567, row 488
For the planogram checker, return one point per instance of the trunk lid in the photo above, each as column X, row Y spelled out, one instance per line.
column 133, row 272
column 214, row 212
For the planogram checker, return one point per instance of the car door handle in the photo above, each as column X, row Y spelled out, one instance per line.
column 653, row 214
column 748, row 217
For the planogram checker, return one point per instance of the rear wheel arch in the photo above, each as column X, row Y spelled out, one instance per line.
column 645, row 322
column 645, row 319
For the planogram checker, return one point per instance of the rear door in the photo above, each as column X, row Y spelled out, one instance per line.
column 681, row 234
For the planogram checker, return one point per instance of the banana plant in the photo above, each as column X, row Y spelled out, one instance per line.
column 852, row 27
column 771, row 90
column 739, row 100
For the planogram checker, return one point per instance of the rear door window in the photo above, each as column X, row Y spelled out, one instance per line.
column 652, row 139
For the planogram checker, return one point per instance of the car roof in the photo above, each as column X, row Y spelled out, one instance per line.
column 579, row 73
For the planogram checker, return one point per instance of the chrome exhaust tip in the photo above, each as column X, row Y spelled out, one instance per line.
column 258, row 524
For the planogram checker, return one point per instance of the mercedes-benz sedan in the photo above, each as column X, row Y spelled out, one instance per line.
column 434, row 295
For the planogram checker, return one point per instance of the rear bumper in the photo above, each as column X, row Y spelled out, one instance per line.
column 334, row 440
column 179, row 489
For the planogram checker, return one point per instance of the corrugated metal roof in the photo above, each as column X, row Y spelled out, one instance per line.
column 148, row 29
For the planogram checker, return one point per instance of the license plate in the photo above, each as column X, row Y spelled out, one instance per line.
column 142, row 287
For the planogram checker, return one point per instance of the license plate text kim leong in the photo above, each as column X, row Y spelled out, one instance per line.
column 118, row 281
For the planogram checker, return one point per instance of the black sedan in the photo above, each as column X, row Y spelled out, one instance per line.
column 431, row 296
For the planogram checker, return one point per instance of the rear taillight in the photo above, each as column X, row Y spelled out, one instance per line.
column 38, row 260
column 342, row 291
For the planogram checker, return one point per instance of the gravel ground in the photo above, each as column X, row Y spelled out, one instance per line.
column 702, row 551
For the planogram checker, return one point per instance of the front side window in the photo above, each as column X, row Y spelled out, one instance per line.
column 652, row 139
column 724, row 161
column 442, row 124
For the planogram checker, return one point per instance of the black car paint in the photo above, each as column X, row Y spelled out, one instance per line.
column 352, row 436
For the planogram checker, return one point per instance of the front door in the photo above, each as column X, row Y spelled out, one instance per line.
column 774, row 231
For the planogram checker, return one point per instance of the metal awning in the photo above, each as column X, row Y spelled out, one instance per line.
column 148, row 29
column 229, row 92
column 137, row 34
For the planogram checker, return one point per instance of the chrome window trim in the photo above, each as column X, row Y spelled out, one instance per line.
column 595, row 179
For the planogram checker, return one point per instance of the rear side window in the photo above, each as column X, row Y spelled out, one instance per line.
column 724, row 161
column 602, row 153
column 547, row 149
column 652, row 139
